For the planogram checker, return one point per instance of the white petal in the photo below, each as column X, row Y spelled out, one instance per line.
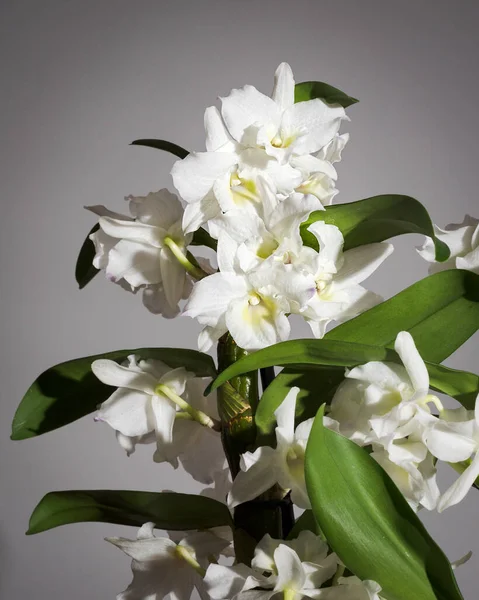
column 161, row 209
column 133, row 231
column 209, row 336
column 360, row 263
column 283, row 90
column 146, row 549
column 225, row 582
column 205, row 457
column 290, row 570
column 164, row 411
column 217, row 136
column 256, row 480
column 247, row 107
column 154, row 299
column 173, row 277
column 460, row 488
column 103, row 211
column 200, row 212
column 448, row 442
column 330, row 241
column 195, row 175
column 138, row 264
column 385, row 375
column 212, row 295
column 411, row 359
column 285, row 414
column 128, row 412
column 256, row 326
column 111, row 373
column 318, row 121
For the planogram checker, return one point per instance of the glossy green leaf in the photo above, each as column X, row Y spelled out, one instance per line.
column 69, row 391
column 441, row 312
column 167, row 510
column 376, row 219
column 306, row 522
column 300, row 353
column 309, row 90
column 369, row 524
column 84, row 269
column 162, row 145
column 202, row 238
column 315, row 387
column 461, row 385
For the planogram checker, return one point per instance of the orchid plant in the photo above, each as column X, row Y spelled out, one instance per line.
column 314, row 474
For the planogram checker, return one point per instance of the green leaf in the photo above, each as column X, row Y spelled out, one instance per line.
column 441, row 312
column 309, row 90
column 69, row 391
column 376, row 219
column 461, row 385
column 84, row 269
column 162, row 145
column 306, row 522
column 369, row 524
column 305, row 352
column 202, row 238
column 315, row 386
column 167, row 510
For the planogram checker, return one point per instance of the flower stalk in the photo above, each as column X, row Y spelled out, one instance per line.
column 194, row 270
column 194, row 413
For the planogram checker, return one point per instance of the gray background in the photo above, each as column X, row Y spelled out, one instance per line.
column 79, row 81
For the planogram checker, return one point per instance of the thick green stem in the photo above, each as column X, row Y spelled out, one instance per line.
column 237, row 401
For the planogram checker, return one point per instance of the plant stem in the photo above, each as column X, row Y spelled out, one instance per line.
column 197, row 415
column 184, row 261
column 267, row 376
column 184, row 553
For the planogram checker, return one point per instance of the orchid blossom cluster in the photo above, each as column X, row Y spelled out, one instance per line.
column 260, row 195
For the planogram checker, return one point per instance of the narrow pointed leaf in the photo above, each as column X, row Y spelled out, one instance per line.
column 84, row 269
column 202, row 238
column 300, row 353
column 461, row 385
column 162, row 145
column 69, row 391
column 309, row 90
column 369, row 524
column 441, row 312
column 315, row 387
column 167, row 510
column 376, row 219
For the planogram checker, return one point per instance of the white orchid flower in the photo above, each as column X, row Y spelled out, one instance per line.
column 252, row 306
column 463, row 242
column 161, row 567
column 352, row 588
column 295, row 569
column 146, row 250
column 273, row 230
column 456, row 441
column 283, row 465
column 255, row 135
column 337, row 274
column 154, row 403
column 387, row 405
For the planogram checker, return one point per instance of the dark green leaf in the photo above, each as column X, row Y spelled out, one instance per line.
column 369, row 524
column 308, row 90
column 202, row 238
column 300, row 353
column 441, row 312
column 306, row 522
column 376, row 219
column 69, row 391
column 461, row 385
column 167, row 510
column 316, row 386
column 84, row 269
column 162, row 145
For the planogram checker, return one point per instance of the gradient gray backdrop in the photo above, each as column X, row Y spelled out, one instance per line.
column 80, row 80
